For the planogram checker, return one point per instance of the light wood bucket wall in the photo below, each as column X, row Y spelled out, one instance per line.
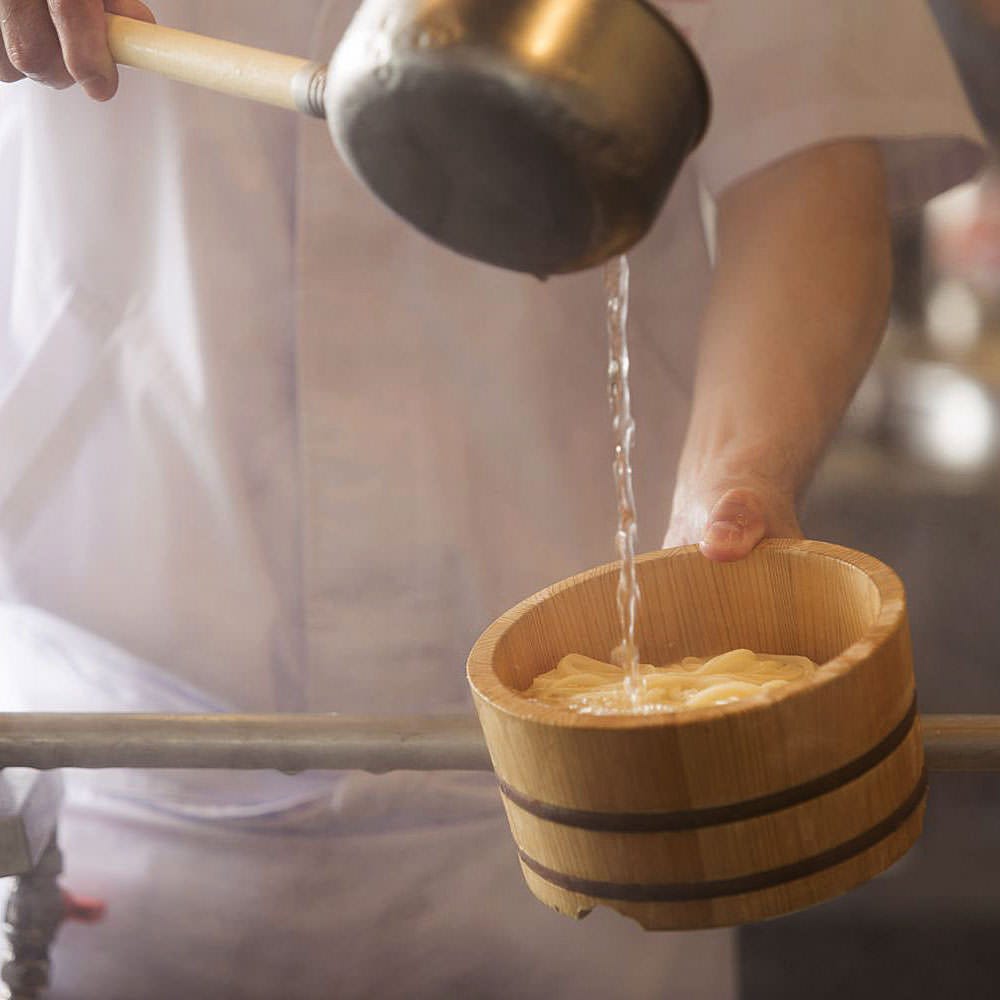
column 716, row 816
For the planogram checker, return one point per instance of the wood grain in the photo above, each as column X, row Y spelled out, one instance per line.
column 848, row 738
column 237, row 70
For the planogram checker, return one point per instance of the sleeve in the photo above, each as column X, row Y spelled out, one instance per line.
column 788, row 74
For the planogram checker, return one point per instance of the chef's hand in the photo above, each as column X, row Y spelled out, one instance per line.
column 727, row 520
column 62, row 42
column 797, row 308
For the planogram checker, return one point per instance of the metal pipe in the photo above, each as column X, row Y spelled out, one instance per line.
column 242, row 742
column 335, row 742
column 962, row 742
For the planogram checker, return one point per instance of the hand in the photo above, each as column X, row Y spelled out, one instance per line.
column 728, row 521
column 62, row 42
column 782, row 345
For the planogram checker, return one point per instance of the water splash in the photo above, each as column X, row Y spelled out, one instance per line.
column 616, row 284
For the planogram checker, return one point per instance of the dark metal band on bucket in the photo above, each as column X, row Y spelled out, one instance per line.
column 692, row 819
column 684, row 892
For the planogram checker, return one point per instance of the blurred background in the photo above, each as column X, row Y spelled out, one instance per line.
column 914, row 478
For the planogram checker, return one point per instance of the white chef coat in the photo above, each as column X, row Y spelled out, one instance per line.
column 265, row 448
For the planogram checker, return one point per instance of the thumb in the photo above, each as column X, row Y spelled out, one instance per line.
column 130, row 8
column 734, row 526
column 740, row 519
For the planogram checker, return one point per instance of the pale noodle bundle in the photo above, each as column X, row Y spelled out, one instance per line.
column 591, row 686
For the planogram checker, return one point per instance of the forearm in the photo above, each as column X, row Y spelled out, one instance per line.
column 797, row 308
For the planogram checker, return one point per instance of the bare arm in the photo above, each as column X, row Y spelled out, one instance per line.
column 797, row 309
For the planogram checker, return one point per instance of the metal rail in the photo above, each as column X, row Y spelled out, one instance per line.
column 962, row 742
column 242, row 742
column 334, row 742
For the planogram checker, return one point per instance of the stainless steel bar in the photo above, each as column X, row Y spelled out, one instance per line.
column 334, row 742
column 962, row 742
column 243, row 742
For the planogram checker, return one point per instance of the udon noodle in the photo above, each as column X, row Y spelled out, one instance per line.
column 590, row 686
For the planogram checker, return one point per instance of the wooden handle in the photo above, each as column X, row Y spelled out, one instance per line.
column 238, row 70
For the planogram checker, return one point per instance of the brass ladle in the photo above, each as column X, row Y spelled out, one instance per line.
column 537, row 135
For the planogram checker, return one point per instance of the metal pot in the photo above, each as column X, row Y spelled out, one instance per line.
column 538, row 135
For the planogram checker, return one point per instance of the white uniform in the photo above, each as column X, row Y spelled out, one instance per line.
column 262, row 447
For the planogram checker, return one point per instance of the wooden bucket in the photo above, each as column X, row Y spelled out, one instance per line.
column 715, row 816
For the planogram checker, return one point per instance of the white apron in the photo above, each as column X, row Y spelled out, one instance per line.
column 264, row 448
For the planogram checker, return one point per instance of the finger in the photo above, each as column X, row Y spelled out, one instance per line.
column 130, row 8
column 735, row 525
column 8, row 74
column 83, row 37
column 125, row 8
column 32, row 43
